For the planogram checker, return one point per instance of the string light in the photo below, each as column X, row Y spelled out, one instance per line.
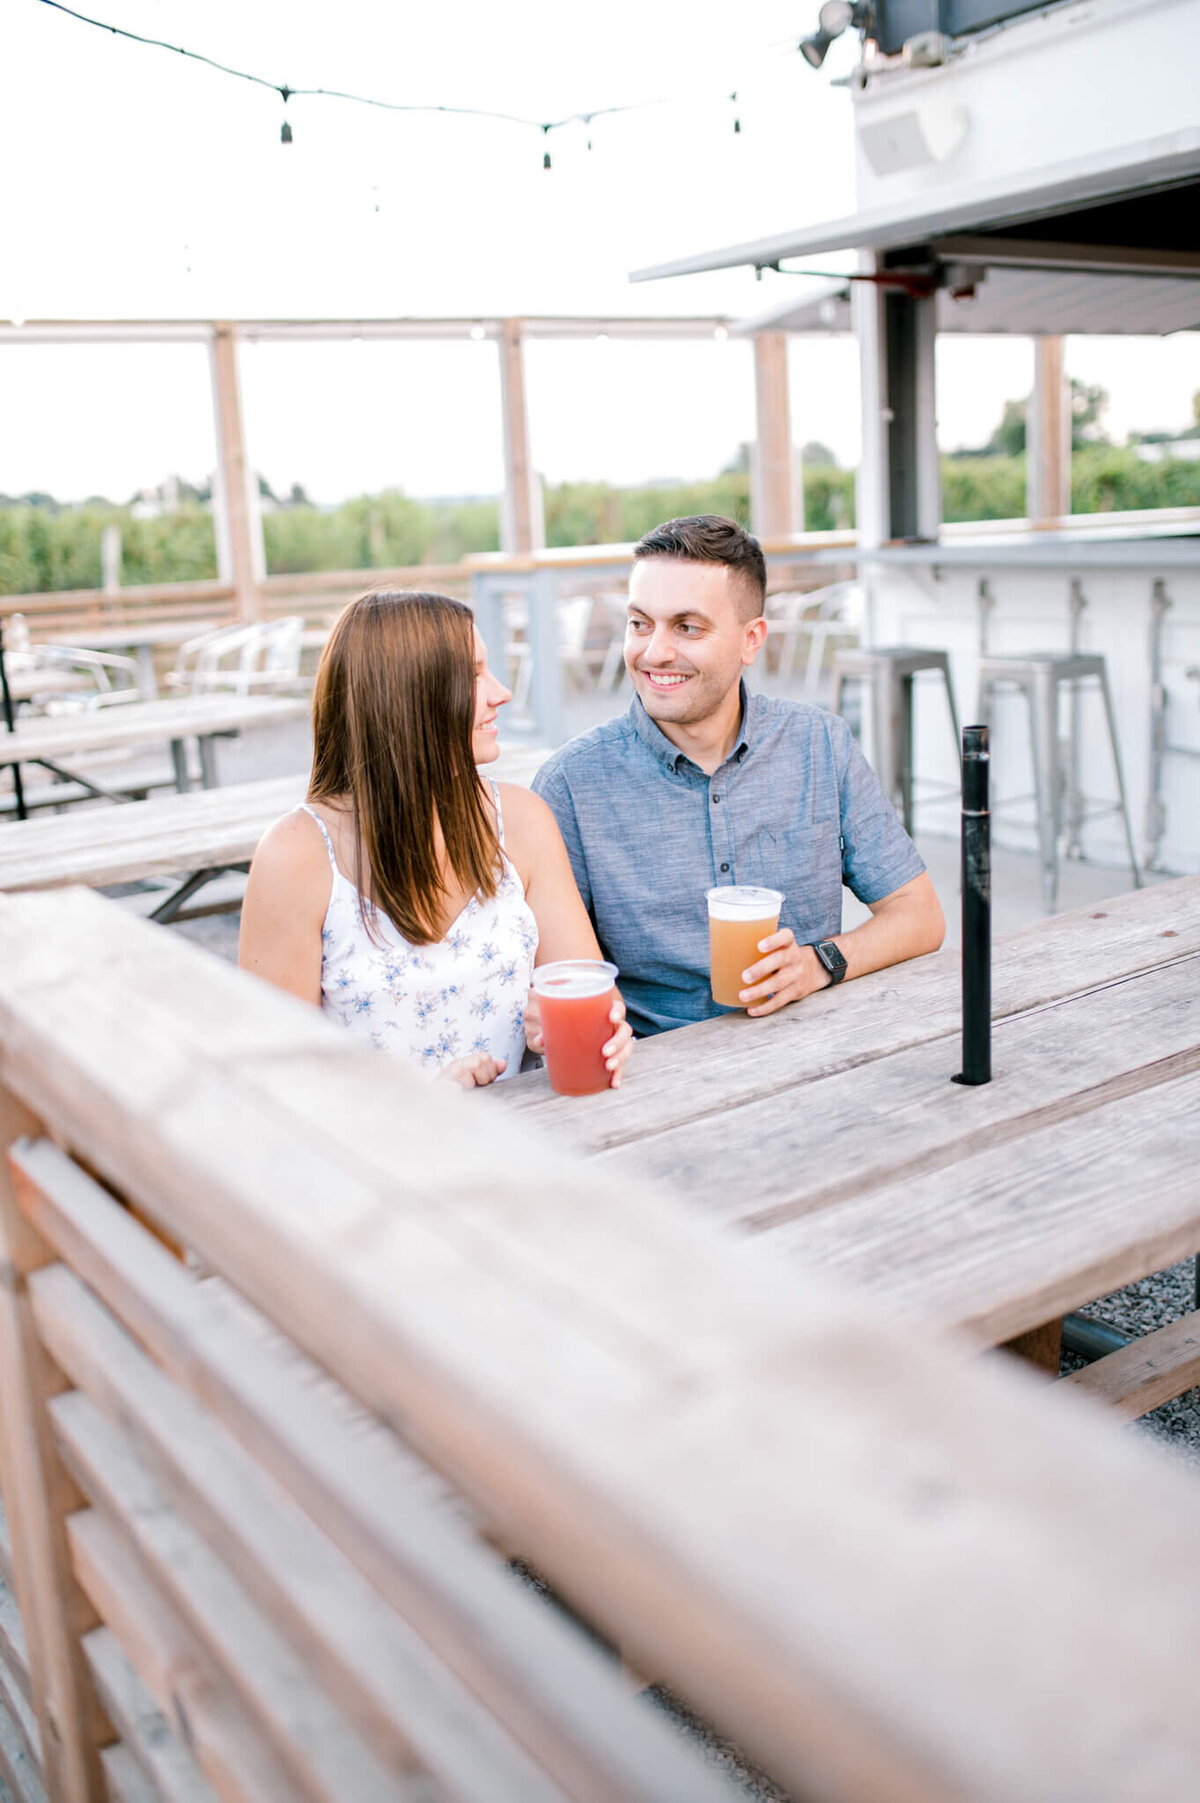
column 468, row 112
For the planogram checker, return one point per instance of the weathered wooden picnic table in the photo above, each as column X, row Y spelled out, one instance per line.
column 52, row 743
column 833, row 1134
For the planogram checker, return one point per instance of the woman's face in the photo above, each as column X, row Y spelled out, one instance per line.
column 490, row 696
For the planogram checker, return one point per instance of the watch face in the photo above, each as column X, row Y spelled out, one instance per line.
column 831, row 957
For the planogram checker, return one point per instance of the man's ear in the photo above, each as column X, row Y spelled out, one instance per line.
column 753, row 640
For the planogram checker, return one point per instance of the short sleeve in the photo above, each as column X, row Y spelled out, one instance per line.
column 552, row 786
column 878, row 856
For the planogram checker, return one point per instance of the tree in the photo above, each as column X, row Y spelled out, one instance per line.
column 815, row 455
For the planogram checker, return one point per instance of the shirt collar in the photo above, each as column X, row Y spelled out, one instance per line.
column 670, row 755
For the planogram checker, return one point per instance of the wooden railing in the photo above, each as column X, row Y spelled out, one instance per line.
column 254, row 1492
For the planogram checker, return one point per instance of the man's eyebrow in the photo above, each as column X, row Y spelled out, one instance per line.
column 689, row 613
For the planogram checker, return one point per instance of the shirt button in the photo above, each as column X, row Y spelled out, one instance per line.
column 724, row 867
column 716, row 799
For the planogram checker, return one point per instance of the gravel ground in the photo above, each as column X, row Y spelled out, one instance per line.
column 1139, row 1309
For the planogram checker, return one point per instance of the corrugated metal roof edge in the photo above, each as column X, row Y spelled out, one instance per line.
column 1129, row 169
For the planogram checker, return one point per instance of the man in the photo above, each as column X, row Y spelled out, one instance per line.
column 701, row 784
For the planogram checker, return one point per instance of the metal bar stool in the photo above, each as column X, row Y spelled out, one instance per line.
column 889, row 671
column 1040, row 675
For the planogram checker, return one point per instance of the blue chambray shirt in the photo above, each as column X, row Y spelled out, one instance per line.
column 795, row 806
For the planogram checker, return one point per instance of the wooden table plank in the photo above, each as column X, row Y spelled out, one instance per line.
column 901, row 1117
column 197, row 831
column 1002, row 1241
column 891, row 1537
column 137, row 722
column 697, row 1071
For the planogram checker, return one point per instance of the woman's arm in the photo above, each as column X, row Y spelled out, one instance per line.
column 536, row 847
column 287, row 894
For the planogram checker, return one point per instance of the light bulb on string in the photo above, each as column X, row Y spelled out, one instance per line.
column 285, row 130
column 737, row 123
column 546, row 152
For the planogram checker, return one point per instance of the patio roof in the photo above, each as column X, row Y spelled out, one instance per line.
column 1050, row 301
column 1073, row 194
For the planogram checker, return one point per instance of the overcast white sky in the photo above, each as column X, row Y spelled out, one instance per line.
column 141, row 185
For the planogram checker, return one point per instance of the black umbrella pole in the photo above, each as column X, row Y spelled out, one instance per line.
column 10, row 726
column 976, row 910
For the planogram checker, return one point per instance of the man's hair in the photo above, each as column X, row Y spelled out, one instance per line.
column 707, row 538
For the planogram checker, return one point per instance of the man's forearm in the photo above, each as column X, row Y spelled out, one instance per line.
column 904, row 925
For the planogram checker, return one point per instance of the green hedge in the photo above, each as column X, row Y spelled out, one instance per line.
column 48, row 547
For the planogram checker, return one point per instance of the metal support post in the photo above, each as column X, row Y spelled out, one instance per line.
column 1074, row 848
column 976, row 911
column 10, row 725
column 1156, row 813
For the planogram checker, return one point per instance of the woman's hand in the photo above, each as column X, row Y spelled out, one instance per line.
column 474, row 1071
column 618, row 1048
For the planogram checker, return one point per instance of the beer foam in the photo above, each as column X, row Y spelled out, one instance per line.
column 572, row 988
column 570, row 979
column 742, row 901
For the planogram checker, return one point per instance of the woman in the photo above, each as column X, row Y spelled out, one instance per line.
column 409, row 897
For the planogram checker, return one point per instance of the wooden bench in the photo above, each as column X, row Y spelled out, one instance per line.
column 250, row 1495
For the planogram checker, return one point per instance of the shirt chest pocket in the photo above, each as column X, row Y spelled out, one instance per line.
column 804, row 862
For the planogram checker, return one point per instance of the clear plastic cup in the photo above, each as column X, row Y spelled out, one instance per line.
column 576, row 996
column 739, row 915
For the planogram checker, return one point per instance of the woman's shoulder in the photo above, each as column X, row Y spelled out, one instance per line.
column 524, row 812
column 293, row 847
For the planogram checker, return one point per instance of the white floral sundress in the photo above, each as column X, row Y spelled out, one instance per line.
column 431, row 1003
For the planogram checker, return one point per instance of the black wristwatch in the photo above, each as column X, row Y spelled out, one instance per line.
column 829, row 955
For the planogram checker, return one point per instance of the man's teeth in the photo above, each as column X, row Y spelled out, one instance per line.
column 666, row 682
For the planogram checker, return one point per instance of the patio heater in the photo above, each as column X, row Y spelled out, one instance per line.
column 976, row 910
column 10, row 726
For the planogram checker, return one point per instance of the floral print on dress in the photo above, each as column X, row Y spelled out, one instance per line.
column 431, row 1003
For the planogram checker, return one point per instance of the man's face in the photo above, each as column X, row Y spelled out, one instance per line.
column 686, row 643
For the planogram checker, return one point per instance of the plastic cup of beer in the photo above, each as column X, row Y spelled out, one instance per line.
column 576, row 997
column 739, row 915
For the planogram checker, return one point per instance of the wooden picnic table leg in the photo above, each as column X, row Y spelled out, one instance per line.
column 208, row 760
column 183, row 781
column 1041, row 1346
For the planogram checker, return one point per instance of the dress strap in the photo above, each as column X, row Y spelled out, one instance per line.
column 313, row 815
column 499, row 811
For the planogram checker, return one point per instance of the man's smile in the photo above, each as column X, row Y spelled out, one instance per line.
column 666, row 679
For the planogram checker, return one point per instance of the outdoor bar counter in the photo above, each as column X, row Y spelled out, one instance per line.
column 1130, row 593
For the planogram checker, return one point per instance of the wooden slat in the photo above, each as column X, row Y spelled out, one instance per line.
column 167, row 1768
column 139, row 722
column 1149, row 1371
column 17, row 1769
column 13, row 1650
column 844, row 1541
column 375, row 1667
column 562, row 1699
column 205, row 828
column 126, row 1781
column 704, row 1070
column 1007, row 1239
column 182, row 1680
column 15, row 1705
column 898, row 1119
column 38, row 1496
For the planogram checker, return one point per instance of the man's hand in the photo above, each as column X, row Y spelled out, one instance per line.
column 787, row 973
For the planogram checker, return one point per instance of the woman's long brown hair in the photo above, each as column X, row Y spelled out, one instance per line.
column 393, row 719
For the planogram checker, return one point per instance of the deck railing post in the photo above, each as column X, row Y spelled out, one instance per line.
column 976, row 910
